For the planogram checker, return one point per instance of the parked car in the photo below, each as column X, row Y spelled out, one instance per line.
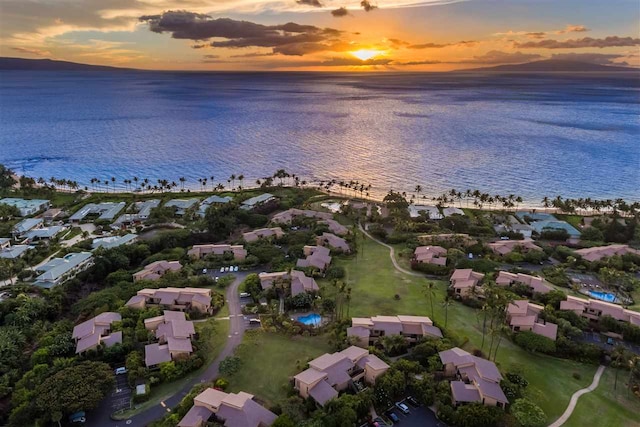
column 255, row 322
column 403, row 407
column 245, row 294
column 393, row 416
column 78, row 417
column 204, row 271
column 120, row 371
column 221, row 269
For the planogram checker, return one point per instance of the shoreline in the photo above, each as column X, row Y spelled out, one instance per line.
column 524, row 206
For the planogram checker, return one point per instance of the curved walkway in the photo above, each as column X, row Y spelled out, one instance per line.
column 391, row 254
column 574, row 399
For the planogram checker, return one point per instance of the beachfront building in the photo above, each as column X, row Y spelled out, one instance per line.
column 335, row 227
column 523, row 315
column 333, row 241
column 9, row 251
column 315, row 256
column 114, row 241
column 290, row 214
column 212, row 201
column 535, row 283
column 156, row 270
column 447, row 238
column 297, row 280
column 228, row 409
column 43, row 233
column 59, row 270
column 452, row 211
column 464, row 281
column 106, row 211
column 513, row 225
column 368, row 330
column 475, row 380
column 51, row 215
column 436, row 255
column 504, row 247
column 143, row 210
column 598, row 252
column 26, row 225
column 176, row 299
column 174, row 333
column 238, row 252
column 432, row 212
column 90, row 334
column 182, row 205
column 330, row 374
column 26, row 207
column 263, row 233
column 262, row 201
column 594, row 309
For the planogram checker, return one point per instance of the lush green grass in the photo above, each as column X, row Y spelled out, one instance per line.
column 268, row 360
column 571, row 219
column 606, row 407
column 374, row 283
column 214, row 333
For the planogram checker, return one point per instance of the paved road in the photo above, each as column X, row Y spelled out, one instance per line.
column 574, row 399
column 101, row 416
column 391, row 254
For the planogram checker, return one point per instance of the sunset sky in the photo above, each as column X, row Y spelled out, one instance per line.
column 332, row 35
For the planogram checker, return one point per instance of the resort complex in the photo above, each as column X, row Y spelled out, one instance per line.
column 292, row 306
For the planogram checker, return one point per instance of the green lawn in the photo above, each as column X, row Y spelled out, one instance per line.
column 374, row 283
column 606, row 407
column 215, row 333
column 269, row 359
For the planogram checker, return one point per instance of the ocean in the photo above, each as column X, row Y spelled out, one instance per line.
column 528, row 135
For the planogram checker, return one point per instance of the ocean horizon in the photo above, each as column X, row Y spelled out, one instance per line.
column 532, row 135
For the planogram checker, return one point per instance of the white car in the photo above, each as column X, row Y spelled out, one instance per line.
column 221, row 269
column 121, row 370
column 404, row 408
column 204, row 271
column 236, row 268
column 245, row 294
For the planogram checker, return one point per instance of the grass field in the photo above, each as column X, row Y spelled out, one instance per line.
column 606, row 407
column 374, row 283
column 268, row 360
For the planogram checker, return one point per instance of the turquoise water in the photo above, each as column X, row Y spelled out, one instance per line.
column 603, row 296
column 310, row 319
column 525, row 134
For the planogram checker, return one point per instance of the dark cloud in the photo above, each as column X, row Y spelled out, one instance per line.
column 254, row 55
column 468, row 43
column 425, row 62
column 398, row 42
column 199, row 46
column 29, row 51
column 586, row 42
column 212, row 56
column 536, row 35
column 367, row 6
column 498, row 57
column 593, row 58
column 314, row 3
column 351, row 62
column 340, row 12
column 286, row 39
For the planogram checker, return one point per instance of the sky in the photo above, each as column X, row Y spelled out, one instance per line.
column 321, row 35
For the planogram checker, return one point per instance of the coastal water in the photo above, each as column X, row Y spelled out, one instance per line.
column 529, row 135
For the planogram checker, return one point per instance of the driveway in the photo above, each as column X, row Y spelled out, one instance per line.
column 101, row 417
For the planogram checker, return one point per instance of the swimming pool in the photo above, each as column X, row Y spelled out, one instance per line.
column 310, row 319
column 603, row 296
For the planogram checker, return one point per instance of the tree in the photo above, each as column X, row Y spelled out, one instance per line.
column 6, row 179
column 592, row 234
column 283, row 421
column 430, row 292
column 221, row 219
column 77, row 388
column 478, row 415
column 528, row 413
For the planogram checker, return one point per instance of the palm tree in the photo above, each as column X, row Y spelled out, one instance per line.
column 232, row 179
column 182, row 180
column 430, row 292
column 446, row 302
column 241, row 178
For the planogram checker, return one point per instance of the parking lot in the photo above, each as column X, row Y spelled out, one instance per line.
column 121, row 396
column 417, row 417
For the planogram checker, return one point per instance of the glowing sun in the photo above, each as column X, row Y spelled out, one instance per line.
column 365, row 54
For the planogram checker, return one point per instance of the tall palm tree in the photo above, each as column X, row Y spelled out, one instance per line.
column 430, row 292
column 446, row 302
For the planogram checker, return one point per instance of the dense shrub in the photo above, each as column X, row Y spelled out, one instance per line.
column 535, row 343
